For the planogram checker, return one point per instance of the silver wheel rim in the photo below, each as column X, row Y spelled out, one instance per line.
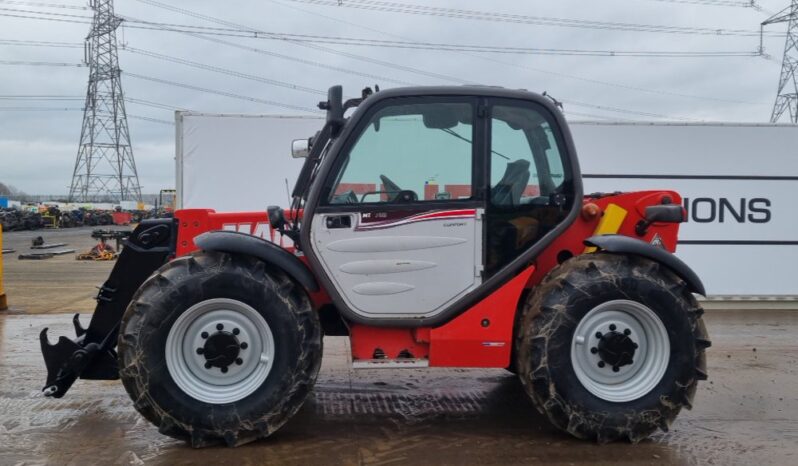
column 188, row 365
column 651, row 356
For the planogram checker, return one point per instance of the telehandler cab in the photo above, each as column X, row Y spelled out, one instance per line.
column 436, row 227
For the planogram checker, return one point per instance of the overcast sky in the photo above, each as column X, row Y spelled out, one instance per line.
column 38, row 148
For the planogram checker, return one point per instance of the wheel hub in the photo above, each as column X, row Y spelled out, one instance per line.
column 616, row 349
column 220, row 350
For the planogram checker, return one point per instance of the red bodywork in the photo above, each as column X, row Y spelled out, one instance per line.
column 480, row 337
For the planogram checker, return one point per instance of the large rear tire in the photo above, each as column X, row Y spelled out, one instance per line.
column 217, row 348
column 611, row 347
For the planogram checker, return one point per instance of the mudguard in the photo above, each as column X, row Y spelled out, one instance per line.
column 620, row 244
column 242, row 243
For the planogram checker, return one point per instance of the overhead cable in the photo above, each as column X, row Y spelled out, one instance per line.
column 478, row 15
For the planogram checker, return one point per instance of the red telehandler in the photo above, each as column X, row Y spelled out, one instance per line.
column 433, row 226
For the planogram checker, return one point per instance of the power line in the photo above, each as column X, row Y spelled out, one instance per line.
column 59, row 20
column 405, row 8
column 76, row 18
column 56, row 98
column 39, row 43
column 222, row 93
column 595, row 116
column 40, row 109
column 303, row 61
column 449, row 47
column 78, row 109
column 471, row 14
column 244, row 47
column 627, row 111
column 367, row 42
column 45, row 5
column 149, row 103
column 228, row 23
column 741, row 4
column 40, row 63
column 151, row 120
column 752, row 4
column 391, row 64
column 226, row 71
column 172, row 83
column 40, row 97
column 71, row 19
column 338, row 40
column 307, row 45
column 557, row 74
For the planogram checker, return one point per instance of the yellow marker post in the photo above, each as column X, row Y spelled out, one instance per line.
column 610, row 223
column 3, row 302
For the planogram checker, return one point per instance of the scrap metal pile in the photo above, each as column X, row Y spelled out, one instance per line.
column 53, row 217
column 14, row 220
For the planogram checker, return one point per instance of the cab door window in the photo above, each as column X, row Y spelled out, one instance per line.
column 530, row 190
column 409, row 152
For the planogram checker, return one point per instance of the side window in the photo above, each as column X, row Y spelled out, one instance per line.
column 530, row 189
column 525, row 159
column 407, row 153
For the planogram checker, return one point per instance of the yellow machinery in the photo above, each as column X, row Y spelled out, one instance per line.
column 49, row 221
column 166, row 200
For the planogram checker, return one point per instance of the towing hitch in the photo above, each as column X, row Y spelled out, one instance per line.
column 91, row 354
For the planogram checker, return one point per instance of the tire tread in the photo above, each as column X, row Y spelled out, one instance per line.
column 165, row 280
column 545, row 311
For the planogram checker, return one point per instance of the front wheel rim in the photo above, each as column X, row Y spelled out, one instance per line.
column 620, row 350
column 220, row 351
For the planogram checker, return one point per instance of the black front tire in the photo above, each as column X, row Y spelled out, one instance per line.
column 544, row 345
column 185, row 282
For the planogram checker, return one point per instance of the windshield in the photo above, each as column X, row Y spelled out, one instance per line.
column 409, row 152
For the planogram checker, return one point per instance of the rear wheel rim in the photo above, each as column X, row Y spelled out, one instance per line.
column 620, row 350
column 220, row 351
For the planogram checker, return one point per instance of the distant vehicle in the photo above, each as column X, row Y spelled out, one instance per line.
column 166, row 200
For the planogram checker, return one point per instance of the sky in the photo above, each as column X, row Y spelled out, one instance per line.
column 38, row 147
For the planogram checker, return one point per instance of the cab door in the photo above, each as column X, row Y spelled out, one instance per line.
column 399, row 225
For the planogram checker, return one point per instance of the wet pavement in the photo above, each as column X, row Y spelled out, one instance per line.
column 747, row 413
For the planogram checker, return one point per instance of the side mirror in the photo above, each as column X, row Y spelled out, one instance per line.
column 666, row 213
column 663, row 213
column 300, row 148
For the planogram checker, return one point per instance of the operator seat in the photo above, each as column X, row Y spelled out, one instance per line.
column 509, row 189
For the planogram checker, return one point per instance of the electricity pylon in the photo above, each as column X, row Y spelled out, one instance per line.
column 104, row 169
column 787, row 97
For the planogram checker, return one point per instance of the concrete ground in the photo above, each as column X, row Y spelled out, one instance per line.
column 59, row 284
column 747, row 413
